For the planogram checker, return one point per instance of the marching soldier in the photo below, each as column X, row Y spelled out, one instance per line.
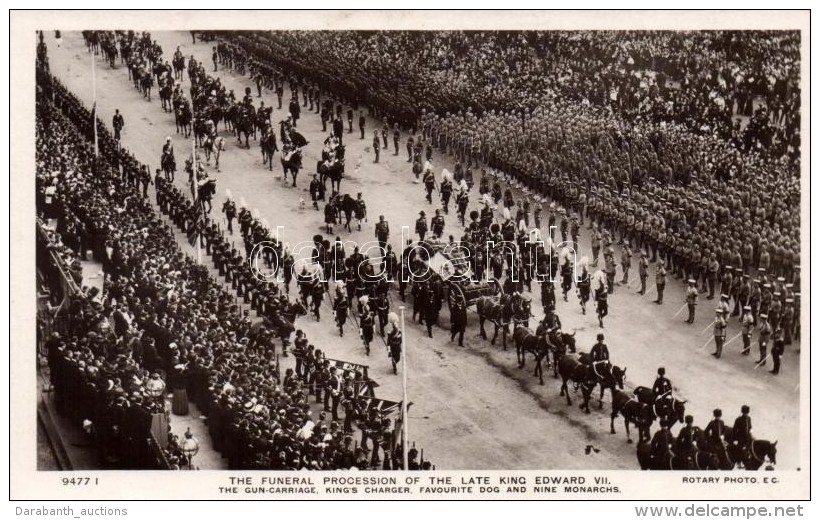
column 229, row 209
column 438, row 224
column 340, row 306
column 382, row 234
column 602, row 306
column 720, row 332
column 458, row 321
column 421, row 225
column 118, row 123
column 429, row 184
column 691, row 300
column 367, row 324
column 317, row 295
column 446, row 190
column 583, row 289
column 394, row 344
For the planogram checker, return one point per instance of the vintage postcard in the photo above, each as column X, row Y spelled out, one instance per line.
column 410, row 255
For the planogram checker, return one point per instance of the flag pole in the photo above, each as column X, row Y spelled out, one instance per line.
column 405, row 421
column 94, row 111
column 195, row 187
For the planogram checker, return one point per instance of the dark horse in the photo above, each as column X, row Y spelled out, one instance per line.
column 168, row 165
column 633, row 411
column 671, row 410
column 508, row 309
column 696, row 460
column 333, row 171
column 282, row 320
column 269, row 147
column 291, row 162
column 205, row 192
column 244, row 124
column 527, row 341
column 586, row 375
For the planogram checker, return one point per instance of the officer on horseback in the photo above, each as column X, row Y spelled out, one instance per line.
column 742, row 430
column 662, row 389
column 686, row 442
column 599, row 352
column 715, row 429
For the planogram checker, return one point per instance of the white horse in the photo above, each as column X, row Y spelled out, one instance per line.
column 213, row 146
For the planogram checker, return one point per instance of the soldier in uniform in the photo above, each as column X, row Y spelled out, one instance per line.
column 583, row 289
column 712, row 269
column 787, row 321
column 610, row 269
column 382, row 234
column 317, row 293
column 367, row 324
column 714, row 432
column 742, row 431
column 660, row 280
column 340, row 306
column 778, row 348
column 458, row 321
column 747, row 325
column 229, row 209
column 691, row 300
column 719, row 332
column 643, row 271
column 686, row 441
column 763, row 338
column 661, row 443
column 662, row 388
column 118, row 123
column 602, row 306
column 421, row 225
column 376, row 145
column 599, row 351
column 394, row 341
column 437, row 224
column 362, row 122
column 626, row 262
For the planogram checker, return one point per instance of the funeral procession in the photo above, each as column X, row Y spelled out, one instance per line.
column 419, row 250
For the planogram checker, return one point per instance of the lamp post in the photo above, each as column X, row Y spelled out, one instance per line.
column 155, row 387
column 405, row 421
column 190, row 447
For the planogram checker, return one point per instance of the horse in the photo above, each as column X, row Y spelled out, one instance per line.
column 168, row 165
column 497, row 311
column 183, row 119
column 165, row 93
column 179, row 66
column 333, row 171
column 671, row 410
column 527, row 341
column 633, row 411
column 205, row 193
column 267, row 142
column 608, row 376
column 213, row 146
column 262, row 121
column 146, row 83
column 291, row 162
column 244, row 124
column 282, row 320
column 582, row 375
column 758, row 452
column 558, row 343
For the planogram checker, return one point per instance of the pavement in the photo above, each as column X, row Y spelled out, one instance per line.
column 472, row 407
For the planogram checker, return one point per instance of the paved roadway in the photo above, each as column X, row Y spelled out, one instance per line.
column 473, row 408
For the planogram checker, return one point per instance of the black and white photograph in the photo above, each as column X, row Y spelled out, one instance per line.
column 563, row 255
